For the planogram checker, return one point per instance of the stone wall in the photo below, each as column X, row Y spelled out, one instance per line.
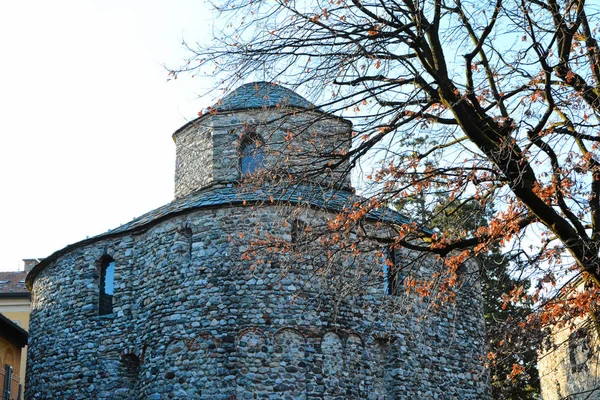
column 301, row 145
column 194, row 167
column 199, row 314
column 570, row 366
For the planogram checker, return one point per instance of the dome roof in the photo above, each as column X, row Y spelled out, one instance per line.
column 261, row 95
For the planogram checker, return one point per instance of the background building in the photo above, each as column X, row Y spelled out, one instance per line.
column 569, row 360
column 12, row 340
column 15, row 303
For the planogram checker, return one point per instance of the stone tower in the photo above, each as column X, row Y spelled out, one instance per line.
column 290, row 132
column 227, row 292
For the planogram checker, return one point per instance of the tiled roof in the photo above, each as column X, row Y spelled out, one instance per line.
column 261, row 95
column 313, row 196
column 258, row 95
column 306, row 196
column 13, row 283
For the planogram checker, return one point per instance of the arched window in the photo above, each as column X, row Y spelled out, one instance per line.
column 131, row 363
column 300, row 231
column 252, row 155
column 107, row 285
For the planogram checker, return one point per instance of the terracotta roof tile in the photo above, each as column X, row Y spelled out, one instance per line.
column 13, row 282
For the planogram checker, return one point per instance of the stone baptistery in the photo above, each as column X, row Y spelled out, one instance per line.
column 246, row 287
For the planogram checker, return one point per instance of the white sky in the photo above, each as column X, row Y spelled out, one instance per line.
column 86, row 115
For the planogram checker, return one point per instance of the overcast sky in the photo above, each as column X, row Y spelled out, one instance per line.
column 87, row 115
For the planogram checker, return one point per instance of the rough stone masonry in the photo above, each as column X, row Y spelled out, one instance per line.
column 199, row 309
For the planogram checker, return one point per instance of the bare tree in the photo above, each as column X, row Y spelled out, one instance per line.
column 487, row 101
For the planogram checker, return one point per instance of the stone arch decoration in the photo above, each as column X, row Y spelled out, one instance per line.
column 131, row 360
column 175, row 349
column 251, row 340
column 333, row 363
column 205, row 357
column 375, row 369
column 187, row 367
column 132, row 351
column 289, row 364
column 354, row 364
column 253, row 364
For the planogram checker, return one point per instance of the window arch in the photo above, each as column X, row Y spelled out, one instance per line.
column 107, row 285
column 252, row 154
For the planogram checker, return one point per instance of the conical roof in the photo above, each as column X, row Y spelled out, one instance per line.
column 261, row 95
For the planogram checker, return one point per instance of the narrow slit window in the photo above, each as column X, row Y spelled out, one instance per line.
column 299, row 233
column 391, row 279
column 107, row 285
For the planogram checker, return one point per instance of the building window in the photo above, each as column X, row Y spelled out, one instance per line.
column 300, row 231
column 580, row 350
column 107, row 285
column 131, row 364
column 252, row 155
column 6, row 394
column 391, row 277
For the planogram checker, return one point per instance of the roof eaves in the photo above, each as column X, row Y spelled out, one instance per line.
column 13, row 332
column 331, row 200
